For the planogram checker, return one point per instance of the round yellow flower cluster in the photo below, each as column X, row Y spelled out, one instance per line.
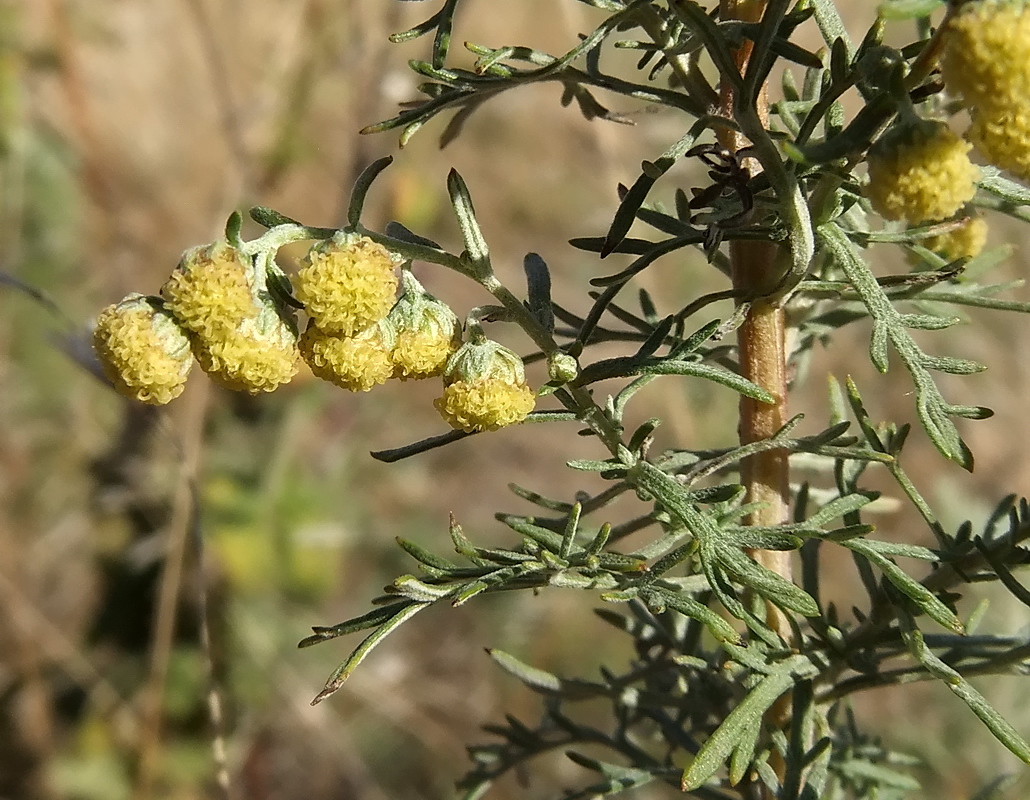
column 214, row 308
column 965, row 241
column 258, row 355
column 484, row 387
column 211, row 289
column 358, row 338
column 347, row 283
column 242, row 338
column 920, row 171
column 217, row 307
column 356, row 362
column 986, row 63
column 428, row 332
column 486, row 404
column 1004, row 138
column 142, row 349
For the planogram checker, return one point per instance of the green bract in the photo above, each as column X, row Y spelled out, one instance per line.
column 427, row 332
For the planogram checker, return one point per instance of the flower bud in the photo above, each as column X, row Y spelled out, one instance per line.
column 348, row 283
column 428, row 332
column 355, row 362
column 142, row 349
column 484, row 388
column 562, row 367
column 259, row 355
column 920, row 172
column 211, row 290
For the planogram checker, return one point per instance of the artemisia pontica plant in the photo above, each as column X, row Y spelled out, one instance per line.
column 742, row 673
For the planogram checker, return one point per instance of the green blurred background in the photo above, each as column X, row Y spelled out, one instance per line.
column 129, row 131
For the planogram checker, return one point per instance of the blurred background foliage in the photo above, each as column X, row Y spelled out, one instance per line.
column 128, row 132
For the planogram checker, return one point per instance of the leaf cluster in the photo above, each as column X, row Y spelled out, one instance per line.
column 707, row 665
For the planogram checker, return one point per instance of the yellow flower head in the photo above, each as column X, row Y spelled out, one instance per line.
column 485, row 405
column 428, row 332
column 484, row 388
column 1003, row 136
column 920, row 172
column 421, row 354
column 348, row 283
column 966, row 241
column 356, row 362
column 143, row 351
column 258, row 356
column 986, row 58
column 211, row 290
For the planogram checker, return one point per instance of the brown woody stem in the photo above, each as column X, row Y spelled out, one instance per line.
column 763, row 360
column 760, row 340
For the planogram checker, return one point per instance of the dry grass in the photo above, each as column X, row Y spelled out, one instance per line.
column 130, row 132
